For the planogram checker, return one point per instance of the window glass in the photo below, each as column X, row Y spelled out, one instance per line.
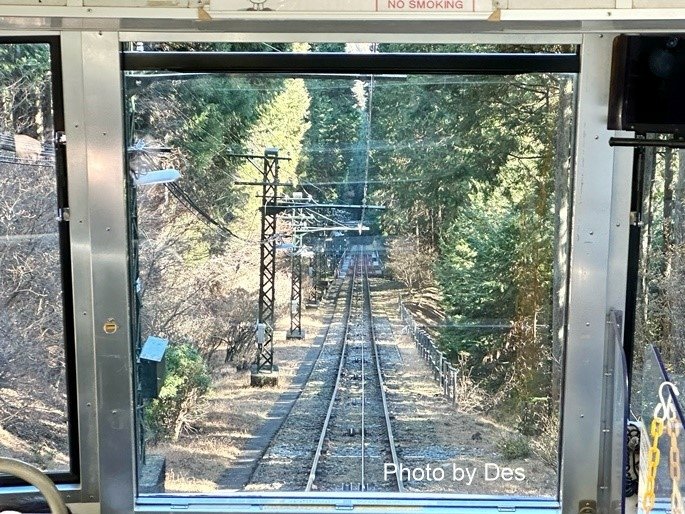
column 413, row 225
column 661, row 268
column 33, row 385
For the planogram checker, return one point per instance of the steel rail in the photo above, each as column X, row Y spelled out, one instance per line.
column 341, row 366
column 363, row 406
column 323, row 345
column 386, row 413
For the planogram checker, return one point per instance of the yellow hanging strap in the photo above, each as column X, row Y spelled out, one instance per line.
column 653, row 457
column 664, row 414
column 673, row 428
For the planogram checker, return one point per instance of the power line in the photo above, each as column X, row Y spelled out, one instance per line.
column 374, row 48
column 203, row 215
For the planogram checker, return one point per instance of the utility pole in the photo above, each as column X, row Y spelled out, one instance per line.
column 316, row 271
column 296, row 331
column 264, row 371
column 299, row 223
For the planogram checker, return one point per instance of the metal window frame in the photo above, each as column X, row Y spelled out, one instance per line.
column 323, row 63
column 94, row 121
column 340, row 63
column 9, row 486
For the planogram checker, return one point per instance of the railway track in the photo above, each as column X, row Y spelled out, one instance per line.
column 300, row 428
column 356, row 440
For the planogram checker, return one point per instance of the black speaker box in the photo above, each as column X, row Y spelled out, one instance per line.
column 648, row 84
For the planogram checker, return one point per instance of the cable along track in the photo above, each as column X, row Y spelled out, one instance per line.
column 356, row 439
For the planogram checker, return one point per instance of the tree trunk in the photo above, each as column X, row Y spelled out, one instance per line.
column 679, row 202
column 646, row 240
column 562, row 193
column 668, row 211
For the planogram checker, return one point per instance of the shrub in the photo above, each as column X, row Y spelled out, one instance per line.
column 514, row 447
column 546, row 445
column 185, row 384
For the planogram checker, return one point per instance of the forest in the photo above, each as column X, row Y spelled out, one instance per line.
column 473, row 174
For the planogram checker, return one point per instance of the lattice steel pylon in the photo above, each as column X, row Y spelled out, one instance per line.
column 299, row 224
column 295, row 331
column 317, row 272
column 267, row 271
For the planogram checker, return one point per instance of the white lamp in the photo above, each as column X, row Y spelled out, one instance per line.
column 148, row 178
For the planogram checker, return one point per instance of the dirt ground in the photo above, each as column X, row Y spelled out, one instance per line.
column 235, row 411
column 432, row 434
column 33, row 430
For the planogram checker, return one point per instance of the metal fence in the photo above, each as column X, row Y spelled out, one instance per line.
column 443, row 371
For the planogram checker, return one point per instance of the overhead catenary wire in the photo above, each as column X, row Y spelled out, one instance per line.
column 184, row 198
column 207, row 218
column 369, row 107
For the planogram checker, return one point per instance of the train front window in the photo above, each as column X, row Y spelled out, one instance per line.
column 349, row 282
column 34, row 422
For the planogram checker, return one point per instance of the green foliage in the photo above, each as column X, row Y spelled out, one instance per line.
column 281, row 123
column 204, row 119
column 332, row 139
column 186, row 382
column 514, row 447
column 474, row 344
column 25, row 96
column 478, row 250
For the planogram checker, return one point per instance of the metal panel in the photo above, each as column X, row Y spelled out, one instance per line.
column 350, row 502
column 569, row 4
column 620, row 219
column 298, row 37
column 272, row 62
column 426, row 28
column 80, row 261
column 593, row 14
column 28, row 33
column 588, row 279
column 109, row 251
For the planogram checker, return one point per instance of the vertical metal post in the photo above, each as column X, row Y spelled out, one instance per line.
column 635, row 229
column 267, row 269
column 94, row 109
column 314, row 291
column 588, row 280
column 318, row 262
column 74, row 66
column 295, row 331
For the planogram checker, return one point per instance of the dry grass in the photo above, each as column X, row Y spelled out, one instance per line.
column 466, row 436
column 234, row 411
column 32, row 431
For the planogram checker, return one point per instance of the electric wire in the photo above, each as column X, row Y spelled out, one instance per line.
column 369, row 107
column 185, row 199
